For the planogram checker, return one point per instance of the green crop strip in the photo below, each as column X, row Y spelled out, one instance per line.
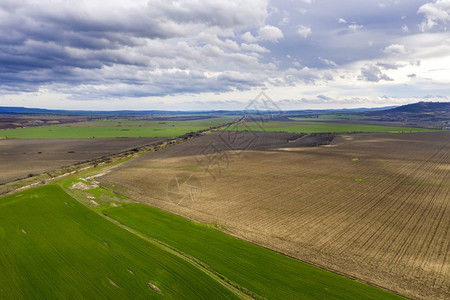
column 114, row 129
column 319, row 127
column 53, row 247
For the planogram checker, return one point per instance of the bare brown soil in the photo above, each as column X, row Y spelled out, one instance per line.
column 238, row 141
column 113, row 283
column 20, row 158
column 32, row 120
column 16, row 121
column 371, row 206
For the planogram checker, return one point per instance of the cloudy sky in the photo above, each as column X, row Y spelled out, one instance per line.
column 204, row 54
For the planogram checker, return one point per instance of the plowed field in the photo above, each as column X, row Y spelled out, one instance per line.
column 21, row 157
column 371, row 206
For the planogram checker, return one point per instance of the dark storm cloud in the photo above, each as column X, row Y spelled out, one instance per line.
column 97, row 49
column 50, row 43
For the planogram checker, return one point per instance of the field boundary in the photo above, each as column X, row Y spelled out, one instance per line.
column 232, row 286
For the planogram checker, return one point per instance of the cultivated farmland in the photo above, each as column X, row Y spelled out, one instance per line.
column 22, row 157
column 371, row 206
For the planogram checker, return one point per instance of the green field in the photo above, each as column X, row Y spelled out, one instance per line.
column 53, row 247
column 199, row 122
column 328, row 117
column 263, row 272
column 317, row 127
column 114, row 128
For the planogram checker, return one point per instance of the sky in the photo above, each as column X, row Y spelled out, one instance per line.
column 206, row 55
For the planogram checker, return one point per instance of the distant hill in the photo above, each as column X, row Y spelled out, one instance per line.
column 415, row 108
column 424, row 114
column 40, row 111
column 423, row 107
column 22, row 110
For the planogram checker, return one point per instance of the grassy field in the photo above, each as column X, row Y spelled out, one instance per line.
column 262, row 271
column 53, row 247
column 114, row 128
column 315, row 127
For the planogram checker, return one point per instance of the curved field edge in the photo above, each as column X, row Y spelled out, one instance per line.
column 264, row 272
column 53, row 247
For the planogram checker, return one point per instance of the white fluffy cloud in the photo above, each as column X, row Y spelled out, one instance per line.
column 270, row 33
column 395, row 49
column 436, row 14
column 328, row 62
column 304, row 31
column 248, row 37
column 355, row 27
column 254, row 48
column 266, row 33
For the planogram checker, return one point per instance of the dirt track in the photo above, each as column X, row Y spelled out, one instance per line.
column 371, row 206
